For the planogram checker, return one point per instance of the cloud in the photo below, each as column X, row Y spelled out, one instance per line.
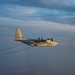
column 57, row 11
column 60, row 18
column 51, row 4
column 42, row 25
column 18, row 12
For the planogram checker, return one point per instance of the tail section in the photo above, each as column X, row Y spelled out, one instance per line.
column 18, row 35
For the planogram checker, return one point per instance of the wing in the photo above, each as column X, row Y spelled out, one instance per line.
column 38, row 41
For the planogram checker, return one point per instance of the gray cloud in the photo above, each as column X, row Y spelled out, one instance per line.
column 57, row 18
column 68, row 5
column 64, row 8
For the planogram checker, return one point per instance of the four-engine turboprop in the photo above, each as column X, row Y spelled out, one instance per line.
column 34, row 42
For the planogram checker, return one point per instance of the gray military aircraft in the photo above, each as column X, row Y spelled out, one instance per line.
column 34, row 42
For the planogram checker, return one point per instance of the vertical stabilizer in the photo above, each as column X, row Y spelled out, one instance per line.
column 18, row 35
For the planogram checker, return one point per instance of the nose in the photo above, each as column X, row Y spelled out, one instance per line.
column 56, row 43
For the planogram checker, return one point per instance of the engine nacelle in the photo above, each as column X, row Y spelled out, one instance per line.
column 48, row 41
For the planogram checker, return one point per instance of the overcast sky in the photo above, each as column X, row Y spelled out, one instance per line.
column 39, row 18
column 53, row 14
column 58, row 11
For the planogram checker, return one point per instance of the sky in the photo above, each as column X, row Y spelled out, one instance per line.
column 38, row 18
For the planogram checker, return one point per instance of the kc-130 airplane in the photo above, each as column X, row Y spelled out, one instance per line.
column 34, row 42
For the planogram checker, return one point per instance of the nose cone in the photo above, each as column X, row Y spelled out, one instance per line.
column 55, row 43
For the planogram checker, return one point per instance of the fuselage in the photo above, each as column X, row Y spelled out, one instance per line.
column 34, row 42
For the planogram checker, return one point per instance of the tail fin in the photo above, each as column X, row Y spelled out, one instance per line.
column 18, row 35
